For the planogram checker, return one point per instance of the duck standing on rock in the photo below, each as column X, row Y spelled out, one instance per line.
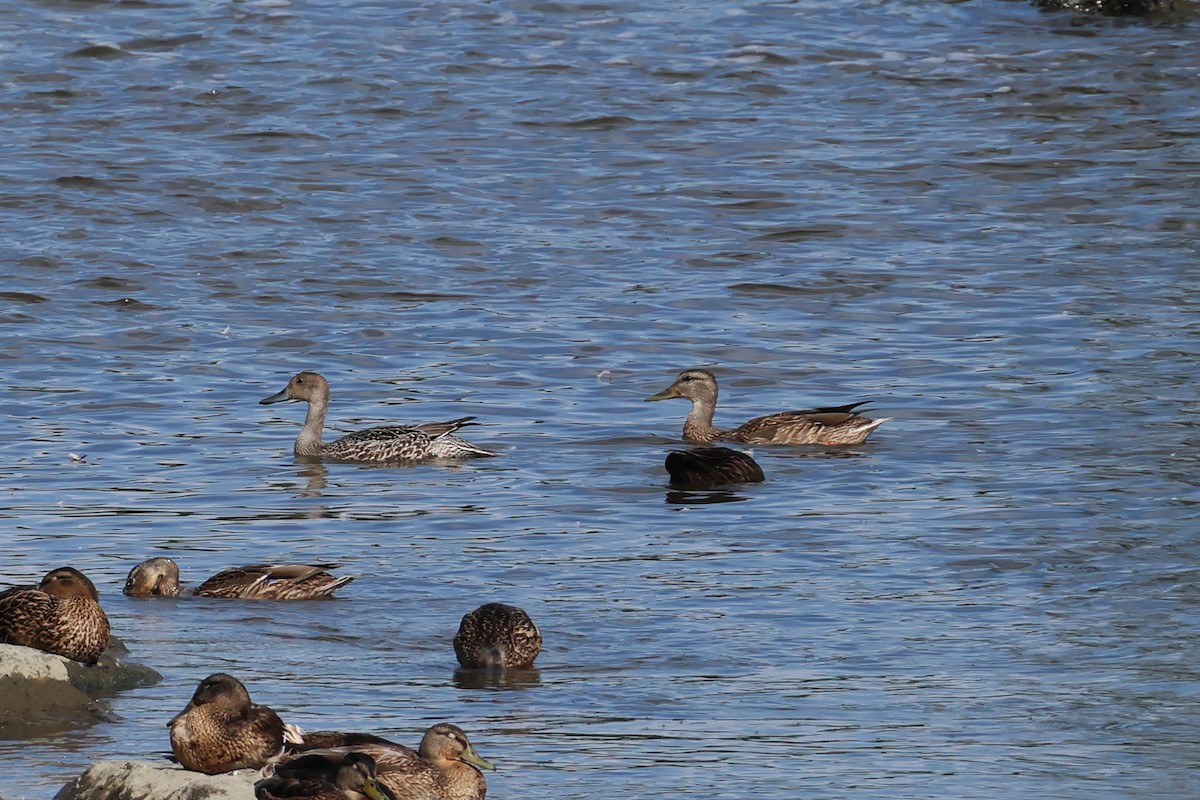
column 833, row 425
column 61, row 616
column 159, row 577
column 497, row 635
column 220, row 730
column 392, row 444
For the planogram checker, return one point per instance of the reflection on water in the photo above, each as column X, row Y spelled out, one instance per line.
column 485, row 678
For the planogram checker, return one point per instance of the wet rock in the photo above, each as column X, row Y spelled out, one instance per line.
column 141, row 780
column 42, row 693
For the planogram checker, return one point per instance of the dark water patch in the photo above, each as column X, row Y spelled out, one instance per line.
column 154, row 44
column 22, row 297
column 99, row 51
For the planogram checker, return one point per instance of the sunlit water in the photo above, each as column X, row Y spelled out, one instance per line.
column 980, row 216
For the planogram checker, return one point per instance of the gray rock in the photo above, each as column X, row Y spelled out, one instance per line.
column 41, row 693
column 140, row 780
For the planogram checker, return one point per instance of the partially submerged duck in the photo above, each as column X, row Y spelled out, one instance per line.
column 62, row 615
column 220, row 730
column 706, row 467
column 497, row 635
column 396, row 443
column 159, row 577
column 444, row 767
column 832, row 425
column 318, row 777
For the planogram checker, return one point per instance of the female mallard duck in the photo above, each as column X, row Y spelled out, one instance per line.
column 496, row 635
column 377, row 445
column 445, row 767
column 319, row 777
column 706, row 467
column 159, row 577
column 61, row 616
column 221, row 730
column 832, row 425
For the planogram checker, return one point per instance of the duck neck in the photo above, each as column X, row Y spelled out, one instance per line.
column 308, row 443
column 699, row 423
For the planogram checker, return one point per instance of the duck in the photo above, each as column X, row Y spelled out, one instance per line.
column 497, row 635
column 444, row 767
column 391, row 444
column 159, row 577
column 706, row 467
column 61, row 615
column 318, row 777
column 832, row 425
column 221, row 730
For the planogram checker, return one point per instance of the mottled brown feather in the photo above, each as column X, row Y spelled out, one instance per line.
column 319, row 777
column 833, row 425
column 497, row 635
column 61, row 616
column 160, row 577
column 445, row 767
column 221, row 730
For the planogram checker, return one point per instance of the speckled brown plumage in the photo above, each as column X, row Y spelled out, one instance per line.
column 397, row 443
column 497, row 635
column 706, row 467
column 833, row 425
column 221, row 730
column 445, row 767
column 160, row 577
column 61, row 616
column 318, row 777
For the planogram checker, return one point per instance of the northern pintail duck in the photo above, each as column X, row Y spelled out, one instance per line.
column 319, row 777
column 706, row 467
column 220, row 730
column 497, row 635
column 828, row 426
column 393, row 443
column 62, row 615
column 159, row 577
column 444, row 767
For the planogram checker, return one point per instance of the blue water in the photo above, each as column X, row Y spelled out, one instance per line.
column 980, row 216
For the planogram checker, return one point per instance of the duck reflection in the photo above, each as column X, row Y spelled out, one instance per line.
column 497, row 678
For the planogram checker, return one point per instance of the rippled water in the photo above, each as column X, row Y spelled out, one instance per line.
column 979, row 215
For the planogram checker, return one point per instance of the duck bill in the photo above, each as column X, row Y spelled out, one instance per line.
column 668, row 393
column 475, row 760
column 376, row 791
column 278, row 397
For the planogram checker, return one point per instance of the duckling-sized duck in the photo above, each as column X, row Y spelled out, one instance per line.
column 62, row 615
column 706, row 467
column 159, row 577
column 397, row 443
column 445, row 767
column 828, row 426
column 497, row 635
column 319, row 777
column 221, row 730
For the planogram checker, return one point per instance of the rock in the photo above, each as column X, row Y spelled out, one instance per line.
column 141, row 780
column 41, row 692
column 1112, row 7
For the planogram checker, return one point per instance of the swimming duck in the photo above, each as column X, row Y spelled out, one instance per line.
column 159, row 577
column 318, row 777
column 706, row 467
column 828, row 426
column 62, row 615
column 374, row 445
column 496, row 635
column 445, row 767
column 220, row 730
